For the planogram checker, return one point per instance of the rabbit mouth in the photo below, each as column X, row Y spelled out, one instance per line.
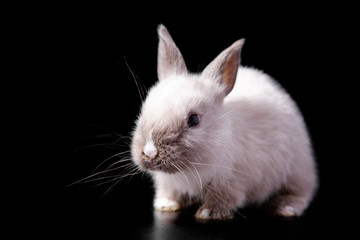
column 152, row 165
column 159, row 166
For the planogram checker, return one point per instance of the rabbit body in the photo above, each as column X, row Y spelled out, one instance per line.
column 249, row 145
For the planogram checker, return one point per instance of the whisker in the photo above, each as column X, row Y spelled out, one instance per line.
column 139, row 88
column 106, row 130
column 198, row 180
column 125, row 159
column 138, row 171
column 142, row 175
column 104, row 177
column 106, row 135
column 97, row 145
column 111, row 157
column 122, row 138
column 93, row 175
column 182, row 172
column 201, row 185
column 118, row 180
column 116, row 177
column 213, row 192
column 114, row 145
column 129, row 167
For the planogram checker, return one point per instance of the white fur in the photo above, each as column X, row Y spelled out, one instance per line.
column 265, row 143
column 249, row 145
column 204, row 214
column 165, row 204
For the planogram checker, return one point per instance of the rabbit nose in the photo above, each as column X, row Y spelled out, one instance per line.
column 150, row 150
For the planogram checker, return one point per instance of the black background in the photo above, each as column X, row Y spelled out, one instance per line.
column 99, row 101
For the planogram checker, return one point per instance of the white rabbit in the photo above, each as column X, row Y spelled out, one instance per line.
column 223, row 138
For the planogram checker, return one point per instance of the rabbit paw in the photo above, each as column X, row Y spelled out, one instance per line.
column 167, row 205
column 287, row 211
column 288, row 205
column 213, row 214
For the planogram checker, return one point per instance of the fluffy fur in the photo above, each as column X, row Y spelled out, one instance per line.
column 251, row 144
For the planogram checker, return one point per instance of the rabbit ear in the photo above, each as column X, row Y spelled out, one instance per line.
column 170, row 60
column 224, row 67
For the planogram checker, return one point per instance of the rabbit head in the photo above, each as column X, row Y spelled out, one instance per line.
column 182, row 117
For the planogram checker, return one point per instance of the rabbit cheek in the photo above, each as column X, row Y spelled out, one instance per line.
column 170, row 155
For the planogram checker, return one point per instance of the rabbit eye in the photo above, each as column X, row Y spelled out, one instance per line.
column 193, row 120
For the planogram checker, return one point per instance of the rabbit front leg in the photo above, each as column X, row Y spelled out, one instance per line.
column 169, row 194
column 166, row 198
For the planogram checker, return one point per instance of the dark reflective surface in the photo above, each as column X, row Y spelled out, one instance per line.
column 137, row 220
column 127, row 213
column 104, row 103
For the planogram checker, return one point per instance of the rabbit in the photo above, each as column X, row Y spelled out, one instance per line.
column 223, row 138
